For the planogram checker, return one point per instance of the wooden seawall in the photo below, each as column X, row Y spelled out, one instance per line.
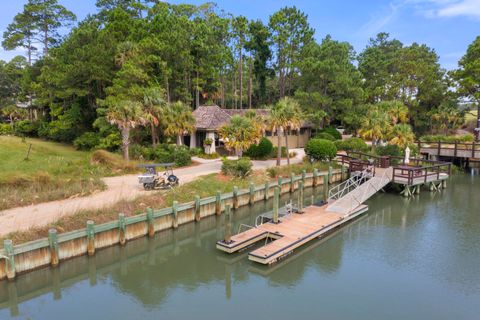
column 17, row 259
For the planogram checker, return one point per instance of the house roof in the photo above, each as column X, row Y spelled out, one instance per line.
column 213, row 117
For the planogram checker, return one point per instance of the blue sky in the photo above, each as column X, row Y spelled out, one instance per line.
column 448, row 26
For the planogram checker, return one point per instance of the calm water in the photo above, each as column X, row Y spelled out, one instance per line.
column 413, row 258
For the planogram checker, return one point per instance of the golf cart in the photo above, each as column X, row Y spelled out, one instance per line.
column 151, row 179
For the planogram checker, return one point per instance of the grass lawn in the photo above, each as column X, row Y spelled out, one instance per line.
column 53, row 171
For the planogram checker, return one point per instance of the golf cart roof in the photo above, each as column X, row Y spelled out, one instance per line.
column 156, row 165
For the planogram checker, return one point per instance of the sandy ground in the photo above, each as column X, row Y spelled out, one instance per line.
column 118, row 188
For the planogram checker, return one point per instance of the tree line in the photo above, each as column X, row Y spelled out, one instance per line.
column 147, row 64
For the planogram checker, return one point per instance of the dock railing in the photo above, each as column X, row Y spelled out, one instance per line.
column 454, row 149
column 420, row 174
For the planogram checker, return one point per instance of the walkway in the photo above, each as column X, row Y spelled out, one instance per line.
column 121, row 188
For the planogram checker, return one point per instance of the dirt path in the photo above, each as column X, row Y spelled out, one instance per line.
column 118, row 188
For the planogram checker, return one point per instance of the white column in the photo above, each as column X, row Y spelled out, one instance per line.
column 193, row 139
column 211, row 136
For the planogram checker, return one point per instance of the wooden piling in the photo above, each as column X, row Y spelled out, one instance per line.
column 235, row 197
column 53, row 243
column 175, row 214
column 315, row 177
column 276, row 199
column 9, row 259
column 330, row 174
column 300, row 196
column 304, row 175
column 292, row 182
column 228, row 225
column 267, row 188
column 218, row 203
column 197, row 208
column 150, row 223
column 325, row 187
column 122, row 228
column 251, row 198
column 280, row 182
column 90, row 237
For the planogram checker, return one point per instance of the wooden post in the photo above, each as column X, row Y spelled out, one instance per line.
column 292, row 182
column 53, row 243
column 218, row 203
column 267, row 189
column 276, row 200
column 455, row 150
column 197, row 208
column 315, row 177
column 304, row 175
column 344, row 173
column 280, row 183
column 473, row 149
column 300, row 197
column 175, row 214
column 325, row 188
column 150, row 223
column 122, row 229
column 228, row 225
column 330, row 174
column 235, row 197
column 444, row 184
column 90, row 237
column 251, row 199
column 10, row 259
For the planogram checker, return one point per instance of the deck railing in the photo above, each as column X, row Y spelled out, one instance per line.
column 420, row 174
column 455, row 149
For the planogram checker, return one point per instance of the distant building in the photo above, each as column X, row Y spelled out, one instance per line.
column 209, row 120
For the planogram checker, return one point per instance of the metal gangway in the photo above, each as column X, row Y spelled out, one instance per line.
column 351, row 193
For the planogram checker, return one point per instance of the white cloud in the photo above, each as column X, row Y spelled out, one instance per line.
column 379, row 20
column 448, row 8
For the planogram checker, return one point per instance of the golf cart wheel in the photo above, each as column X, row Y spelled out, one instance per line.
column 148, row 186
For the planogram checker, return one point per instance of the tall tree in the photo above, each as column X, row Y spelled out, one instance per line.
column 259, row 47
column 240, row 29
column 49, row 16
column 330, row 84
column 20, row 34
column 291, row 117
column 468, row 77
column 290, row 34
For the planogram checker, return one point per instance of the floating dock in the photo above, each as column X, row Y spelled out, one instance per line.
column 291, row 232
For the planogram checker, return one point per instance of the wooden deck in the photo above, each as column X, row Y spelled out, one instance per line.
column 291, row 232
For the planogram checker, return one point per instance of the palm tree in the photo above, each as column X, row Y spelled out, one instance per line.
column 397, row 111
column 402, row 135
column 292, row 117
column 375, row 126
column 179, row 120
column 284, row 116
column 125, row 114
column 153, row 105
column 239, row 134
column 276, row 122
column 12, row 112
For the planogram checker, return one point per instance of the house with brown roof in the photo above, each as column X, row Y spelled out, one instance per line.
column 209, row 120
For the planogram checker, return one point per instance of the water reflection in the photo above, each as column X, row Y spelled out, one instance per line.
column 436, row 234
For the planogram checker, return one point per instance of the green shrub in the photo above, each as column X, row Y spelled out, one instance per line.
column 262, row 150
column 325, row 136
column 87, row 141
column 5, row 129
column 389, row 150
column 448, row 139
column 111, row 142
column 332, row 131
column 140, row 152
column 166, row 153
column 320, row 149
column 237, row 168
column 26, row 128
column 275, row 150
column 351, row 144
column 196, row 151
